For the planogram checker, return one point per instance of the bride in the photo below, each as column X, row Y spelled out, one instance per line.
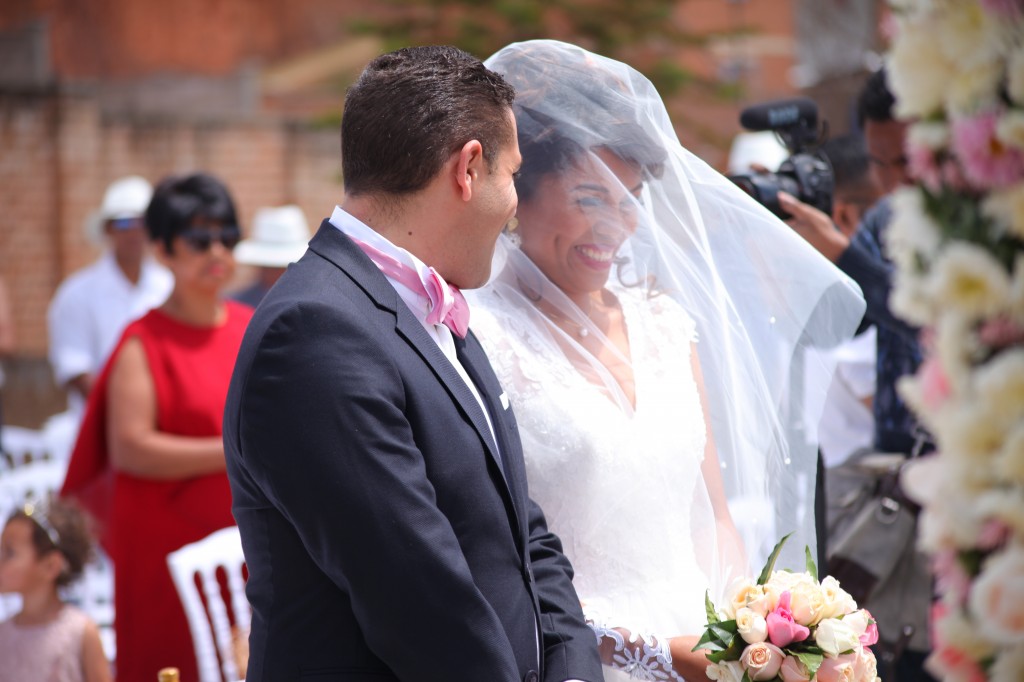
column 657, row 333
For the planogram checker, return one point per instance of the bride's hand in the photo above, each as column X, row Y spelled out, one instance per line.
column 691, row 665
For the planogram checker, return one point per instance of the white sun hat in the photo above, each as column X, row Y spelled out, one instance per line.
column 279, row 237
column 125, row 198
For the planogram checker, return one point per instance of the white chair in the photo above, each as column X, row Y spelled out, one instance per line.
column 210, row 623
column 22, row 446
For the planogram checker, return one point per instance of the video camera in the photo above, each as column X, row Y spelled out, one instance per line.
column 807, row 173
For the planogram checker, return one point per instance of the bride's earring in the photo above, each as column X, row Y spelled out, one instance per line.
column 511, row 234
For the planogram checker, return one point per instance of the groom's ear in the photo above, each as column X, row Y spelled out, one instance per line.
column 469, row 165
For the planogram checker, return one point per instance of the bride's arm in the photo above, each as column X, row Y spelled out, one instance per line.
column 643, row 656
column 732, row 555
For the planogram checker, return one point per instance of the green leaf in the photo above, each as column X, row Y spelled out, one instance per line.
column 730, row 653
column 746, row 677
column 812, row 568
column 811, row 661
column 769, row 566
column 709, row 608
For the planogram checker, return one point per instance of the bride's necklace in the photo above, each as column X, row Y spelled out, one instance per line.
column 562, row 320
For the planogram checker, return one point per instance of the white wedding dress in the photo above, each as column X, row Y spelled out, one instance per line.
column 621, row 486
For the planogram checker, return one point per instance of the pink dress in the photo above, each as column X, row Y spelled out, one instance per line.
column 43, row 653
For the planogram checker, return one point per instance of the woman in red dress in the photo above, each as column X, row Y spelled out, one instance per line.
column 149, row 462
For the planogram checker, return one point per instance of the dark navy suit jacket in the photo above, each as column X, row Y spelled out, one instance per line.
column 386, row 538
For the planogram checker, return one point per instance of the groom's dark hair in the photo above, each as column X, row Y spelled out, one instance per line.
column 411, row 109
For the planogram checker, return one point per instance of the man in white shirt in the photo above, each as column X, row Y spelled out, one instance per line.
column 92, row 307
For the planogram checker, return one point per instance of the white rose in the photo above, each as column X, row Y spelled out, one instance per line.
column 751, row 625
column 835, row 637
column 1004, row 505
column 911, row 298
column 837, row 600
column 968, row 34
column 1015, row 75
column 1010, row 128
column 974, row 88
column 1008, row 665
column 918, row 71
column 726, row 671
column 1017, row 287
column 1009, row 464
column 858, row 622
column 966, row 277
column 999, row 384
column 911, row 229
column 954, row 627
column 1006, row 207
column 967, row 430
column 930, row 134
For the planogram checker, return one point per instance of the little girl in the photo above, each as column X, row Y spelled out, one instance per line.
column 43, row 548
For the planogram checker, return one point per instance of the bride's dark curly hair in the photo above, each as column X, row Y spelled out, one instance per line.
column 594, row 109
column 564, row 109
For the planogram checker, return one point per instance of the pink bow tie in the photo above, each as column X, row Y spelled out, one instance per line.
column 447, row 304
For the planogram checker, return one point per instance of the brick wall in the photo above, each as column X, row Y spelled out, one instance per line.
column 58, row 155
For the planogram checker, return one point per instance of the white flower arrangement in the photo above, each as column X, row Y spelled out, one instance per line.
column 957, row 240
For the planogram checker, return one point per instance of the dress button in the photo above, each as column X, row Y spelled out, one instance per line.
column 531, row 676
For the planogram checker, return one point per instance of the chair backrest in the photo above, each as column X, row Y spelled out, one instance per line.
column 22, row 446
column 207, row 613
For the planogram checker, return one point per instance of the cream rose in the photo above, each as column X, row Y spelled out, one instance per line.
column 969, row 279
column 997, row 595
column 726, row 671
column 762, row 661
column 1006, row 206
column 779, row 582
column 751, row 625
column 807, row 603
column 836, row 637
column 747, row 594
column 837, row 601
column 918, row 71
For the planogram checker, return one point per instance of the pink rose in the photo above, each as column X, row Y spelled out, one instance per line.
column 841, row 669
column 870, row 635
column 782, row 629
column 762, row 661
column 934, row 383
column 793, row 670
column 950, row 576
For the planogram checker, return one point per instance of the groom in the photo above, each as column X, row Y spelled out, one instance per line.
column 376, row 468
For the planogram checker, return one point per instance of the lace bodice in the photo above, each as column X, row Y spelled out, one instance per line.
column 622, row 488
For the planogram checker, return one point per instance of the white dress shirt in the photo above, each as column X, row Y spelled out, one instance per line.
column 416, row 301
column 90, row 311
column 847, row 424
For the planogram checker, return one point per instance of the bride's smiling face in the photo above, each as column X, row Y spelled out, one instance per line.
column 576, row 220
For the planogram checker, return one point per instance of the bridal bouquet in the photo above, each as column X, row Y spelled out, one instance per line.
column 790, row 627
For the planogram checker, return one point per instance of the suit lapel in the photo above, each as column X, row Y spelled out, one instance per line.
column 330, row 243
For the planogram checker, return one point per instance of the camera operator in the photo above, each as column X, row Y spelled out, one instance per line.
column 901, row 600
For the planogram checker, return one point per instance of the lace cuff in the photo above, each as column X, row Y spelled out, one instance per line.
column 641, row 656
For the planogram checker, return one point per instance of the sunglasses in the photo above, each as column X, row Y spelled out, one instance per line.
column 125, row 223
column 200, row 240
